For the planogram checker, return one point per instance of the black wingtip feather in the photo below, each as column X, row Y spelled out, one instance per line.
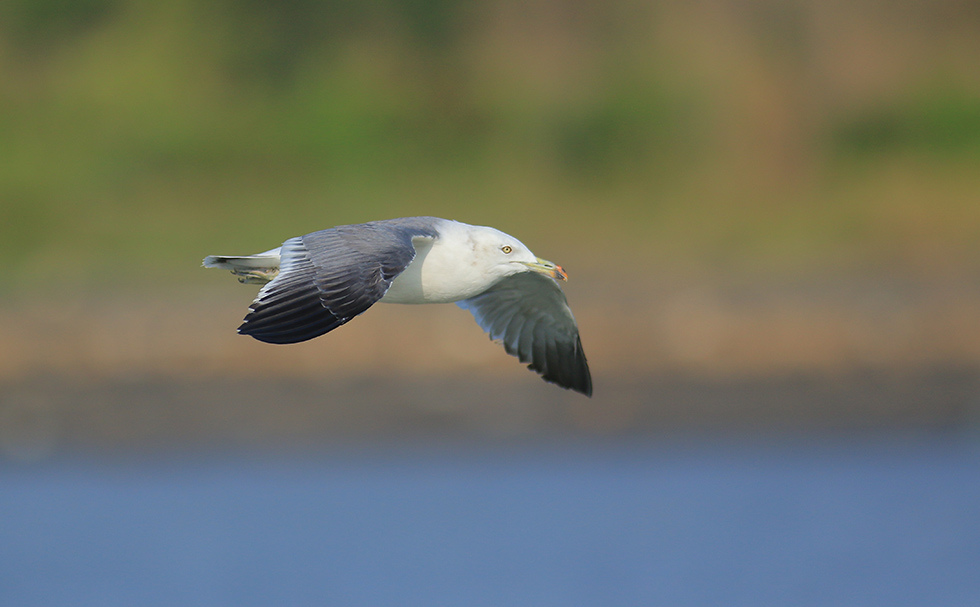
column 583, row 378
column 574, row 375
column 292, row 335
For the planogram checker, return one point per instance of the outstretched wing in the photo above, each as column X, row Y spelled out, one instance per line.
column 529, row 314
column 327, row 278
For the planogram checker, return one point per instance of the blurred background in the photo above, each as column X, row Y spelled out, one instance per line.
column 769, row 211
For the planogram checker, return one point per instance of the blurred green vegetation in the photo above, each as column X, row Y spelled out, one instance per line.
column 738, row 135
column 937, row 121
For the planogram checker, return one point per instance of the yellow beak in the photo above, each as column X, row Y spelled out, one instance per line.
column 543, row 266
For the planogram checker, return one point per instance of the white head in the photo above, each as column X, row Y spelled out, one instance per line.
column 464, row 262
column 501, row 255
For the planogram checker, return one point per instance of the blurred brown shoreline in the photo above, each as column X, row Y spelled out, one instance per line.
column 715, row 328
column 46, row 414
column 135, row 370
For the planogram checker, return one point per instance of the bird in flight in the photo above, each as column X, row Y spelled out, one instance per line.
column 312, row 284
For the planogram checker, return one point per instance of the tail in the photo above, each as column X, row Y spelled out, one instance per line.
column 250, row 269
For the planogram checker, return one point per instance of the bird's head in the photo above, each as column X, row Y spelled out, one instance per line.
column 504, row 255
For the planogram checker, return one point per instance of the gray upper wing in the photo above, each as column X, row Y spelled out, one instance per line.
column 328, row 277
column 529, row 314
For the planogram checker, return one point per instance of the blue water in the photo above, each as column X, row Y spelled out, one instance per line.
column 831, row 522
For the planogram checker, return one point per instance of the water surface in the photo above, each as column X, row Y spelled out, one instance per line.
column 845, row 521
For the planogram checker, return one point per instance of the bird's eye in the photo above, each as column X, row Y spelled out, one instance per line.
column 506, row 249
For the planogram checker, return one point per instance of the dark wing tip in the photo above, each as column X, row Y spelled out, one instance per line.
column 582, row 384
column 288, row 335
column 582, row 375
column 569, row 370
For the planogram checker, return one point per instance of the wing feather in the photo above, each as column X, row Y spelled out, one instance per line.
column 328, row 277
column 529, row 313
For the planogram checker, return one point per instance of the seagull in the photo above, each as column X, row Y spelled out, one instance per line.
column 315, row 283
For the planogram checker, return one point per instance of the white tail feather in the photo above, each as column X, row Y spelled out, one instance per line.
column 251, row 269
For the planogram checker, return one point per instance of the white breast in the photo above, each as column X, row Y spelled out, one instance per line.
column 444, row 270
